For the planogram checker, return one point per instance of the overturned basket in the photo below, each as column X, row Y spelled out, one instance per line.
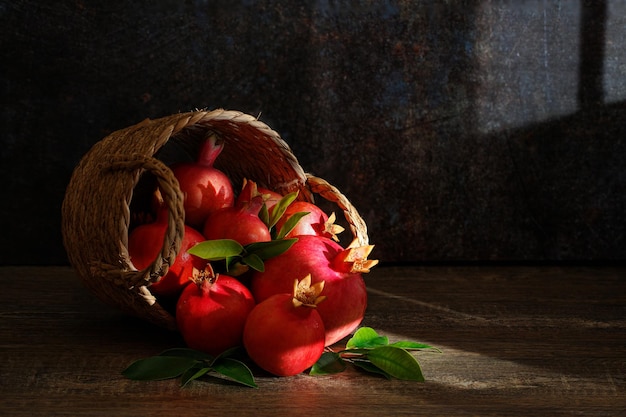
column 97, row 213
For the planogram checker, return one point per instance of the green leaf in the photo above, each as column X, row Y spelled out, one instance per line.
column 264, row 215
column 291, row 222
column 366, row 365
column 254, row 262
column 355, row 352
column 158, row 367
column 234, row 370
column 235, row 268
column 235, row 351
column 218, row 249
column 328, row 363
column 366, row 337
column 188, row 353
column 396, row 362
column 192, row 374
column 408, row 345
column 270, row 249
column 280, row 208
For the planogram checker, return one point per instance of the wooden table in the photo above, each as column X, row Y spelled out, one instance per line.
column 531, row 341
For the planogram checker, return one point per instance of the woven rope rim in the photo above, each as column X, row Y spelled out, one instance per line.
column 331, row 193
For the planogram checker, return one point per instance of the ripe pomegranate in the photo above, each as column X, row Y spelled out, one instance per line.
column 341, row 270
column 315, row 223
column 206, row 188
column 251, row 189
column 240, row 222
column 212, row 311
column 144, row 245
column 271, row 197
column 285, row 334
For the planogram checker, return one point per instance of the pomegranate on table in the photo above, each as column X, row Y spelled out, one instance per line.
column 285, row 334
column 341, row 271
column 212, row 311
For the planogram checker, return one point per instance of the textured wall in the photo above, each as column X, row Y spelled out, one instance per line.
column 461, row 130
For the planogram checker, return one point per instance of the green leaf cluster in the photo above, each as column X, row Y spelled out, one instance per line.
column 189, row 365
column 366, row 350
column 271, row 218
column 371, row 352
column 236, row 259
column 231, row 257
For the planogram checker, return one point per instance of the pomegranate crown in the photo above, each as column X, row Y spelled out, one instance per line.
column 306, row 294
column 353, row 259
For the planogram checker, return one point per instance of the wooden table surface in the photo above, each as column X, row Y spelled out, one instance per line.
column 532, row 341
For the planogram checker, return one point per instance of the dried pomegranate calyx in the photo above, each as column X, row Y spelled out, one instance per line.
column 204, row 278
column 306, row 294
column 331, row 228
column 354, row 258
column 250, row 195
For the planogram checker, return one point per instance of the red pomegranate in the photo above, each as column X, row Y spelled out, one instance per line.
column 340, row 269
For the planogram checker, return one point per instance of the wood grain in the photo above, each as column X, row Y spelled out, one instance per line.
column 515, row 340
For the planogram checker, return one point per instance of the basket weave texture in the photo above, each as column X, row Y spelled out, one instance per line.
column 96, row 212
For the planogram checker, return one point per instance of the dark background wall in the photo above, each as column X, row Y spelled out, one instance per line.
column 461, row 130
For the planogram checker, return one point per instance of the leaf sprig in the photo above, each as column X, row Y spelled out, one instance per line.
column 190, row 364
column 371, row 352
column 235, row 259
column 271, row 218
column 366, row 350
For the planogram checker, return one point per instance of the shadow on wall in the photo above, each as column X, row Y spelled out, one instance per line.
column 462, row 131
column 544, row 160
column 532, row 166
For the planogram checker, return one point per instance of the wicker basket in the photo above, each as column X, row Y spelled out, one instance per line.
column 97, row 209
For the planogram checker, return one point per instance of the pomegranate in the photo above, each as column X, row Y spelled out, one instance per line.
column 240, row 222
column 271, row 197
column 144, row 245
column 250, row 189
column 316, row 222
column 284, row 334
column 206, row 188
column 212, row 311
column 341, row 270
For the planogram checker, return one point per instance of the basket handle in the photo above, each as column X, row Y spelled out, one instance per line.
column 332, row 194
column 172, row 241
